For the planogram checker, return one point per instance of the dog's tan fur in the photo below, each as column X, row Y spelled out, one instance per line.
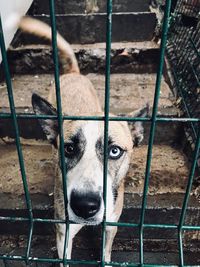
column 79, row 98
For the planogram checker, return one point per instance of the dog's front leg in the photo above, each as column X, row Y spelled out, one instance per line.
column 60, row 236
column 112, row 230
column 110, row 235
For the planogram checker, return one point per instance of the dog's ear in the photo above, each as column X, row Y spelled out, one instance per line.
column 136, row 128
column 49, row 126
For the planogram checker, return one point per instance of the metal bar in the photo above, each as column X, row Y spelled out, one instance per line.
column 187, row 195
column 82, row 262
column 194, row 72
column 17, row 138
column 88, row 14
column 47, row 260
column 29, row 241
column 153, row 125
column 194, row 46
column 156, row 226
column 119, row 224
column 60, row 119
column 127, row 264
column 100, row 118
column 183, row 60
column 179, row 11
column 106, row 121
column 184, row 102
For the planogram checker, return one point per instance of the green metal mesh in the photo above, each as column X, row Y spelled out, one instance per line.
column 191, row 118
column 183, row 51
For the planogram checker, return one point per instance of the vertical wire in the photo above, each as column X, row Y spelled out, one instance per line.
column 60, row 119
column 106, row 120
column 17, row 138
column 153, row 125
column 187, row 195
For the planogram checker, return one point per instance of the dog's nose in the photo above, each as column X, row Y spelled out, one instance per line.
column 85, row 205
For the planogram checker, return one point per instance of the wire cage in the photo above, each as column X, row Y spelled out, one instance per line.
column 183, row 54
column 184, row 57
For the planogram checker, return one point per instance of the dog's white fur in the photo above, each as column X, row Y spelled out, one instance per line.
column 79, row 98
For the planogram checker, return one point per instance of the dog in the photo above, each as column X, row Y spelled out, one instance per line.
column 84, row 148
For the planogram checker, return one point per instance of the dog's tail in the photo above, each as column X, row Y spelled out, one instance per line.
column 40, row 29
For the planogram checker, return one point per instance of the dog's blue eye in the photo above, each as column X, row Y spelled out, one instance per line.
column 115, row 152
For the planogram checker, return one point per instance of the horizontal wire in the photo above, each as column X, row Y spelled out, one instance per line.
column 96, row 263
column 119, row 224
column 100, row 118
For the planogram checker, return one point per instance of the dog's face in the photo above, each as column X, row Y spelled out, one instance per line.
column 84, row 158
column 84, row 155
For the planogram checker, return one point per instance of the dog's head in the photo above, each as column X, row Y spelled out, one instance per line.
column 84, row 157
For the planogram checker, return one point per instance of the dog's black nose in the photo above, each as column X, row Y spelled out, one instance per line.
column 85, row 205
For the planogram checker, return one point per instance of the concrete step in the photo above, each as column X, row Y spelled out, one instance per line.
column 128, row 93
column 168, row 165
column 88, row 6
column 169, row 174
column 126, row 57
column 45, row 247
column 91, row 28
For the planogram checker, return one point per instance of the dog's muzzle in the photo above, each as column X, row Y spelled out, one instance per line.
column 85, row 205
